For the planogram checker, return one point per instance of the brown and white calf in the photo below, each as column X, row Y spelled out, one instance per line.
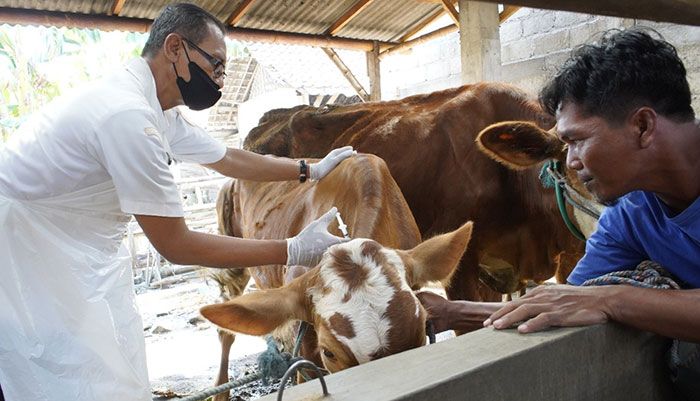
column 358, row 299
column 365, row 194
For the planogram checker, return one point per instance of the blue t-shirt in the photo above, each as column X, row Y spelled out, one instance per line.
column 639, row 228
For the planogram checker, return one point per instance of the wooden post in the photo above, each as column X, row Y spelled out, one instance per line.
column 451, row 10
column 374, row 72
column 346, row 73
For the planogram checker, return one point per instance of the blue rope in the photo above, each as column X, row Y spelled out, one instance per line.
column 272, row 363
column 647, row 274
column 545, row 178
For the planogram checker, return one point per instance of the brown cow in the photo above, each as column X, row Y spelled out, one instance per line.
column 361, row 188
column 428, row 142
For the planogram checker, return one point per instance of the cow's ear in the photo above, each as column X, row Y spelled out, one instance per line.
column 260, row 312
column 519, row 144
column 437, row 258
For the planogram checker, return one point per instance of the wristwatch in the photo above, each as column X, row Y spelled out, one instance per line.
column 303, row 171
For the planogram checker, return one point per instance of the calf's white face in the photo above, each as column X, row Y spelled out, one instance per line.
column 364, row 304
column 358, row 298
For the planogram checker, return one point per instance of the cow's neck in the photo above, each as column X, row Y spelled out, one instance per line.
column 585, row 222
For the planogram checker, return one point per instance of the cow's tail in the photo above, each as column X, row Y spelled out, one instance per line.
column 225, row 209
column 231, row 282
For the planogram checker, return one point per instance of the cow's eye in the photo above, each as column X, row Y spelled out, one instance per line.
column 328, row 354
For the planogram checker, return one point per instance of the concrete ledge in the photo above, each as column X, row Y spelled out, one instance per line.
column 604, row 362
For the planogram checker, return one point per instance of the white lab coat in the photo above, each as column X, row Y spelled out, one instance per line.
column 69, row 182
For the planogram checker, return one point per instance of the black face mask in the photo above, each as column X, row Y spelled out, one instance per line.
column 201, row 92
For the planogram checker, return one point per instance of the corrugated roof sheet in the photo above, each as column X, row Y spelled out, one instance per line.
column 73, row 6
column 385, row 20
column 382, row 20
column 300, row 16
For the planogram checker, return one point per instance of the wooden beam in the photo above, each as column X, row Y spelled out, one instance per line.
column 350, row 14
column 374, row 72
column 18, row 16
column 238, row 13
column 346, row 73
column 259, row 35
column 416, row 28
column 117, row 6
column 421, row 39
column 451, row 10
column 677, row 11
column 507, row 12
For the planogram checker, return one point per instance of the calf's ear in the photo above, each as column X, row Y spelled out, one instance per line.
column 260, row 312
column 519, row 144
column 437, row 258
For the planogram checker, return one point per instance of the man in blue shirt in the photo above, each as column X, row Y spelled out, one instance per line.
column 641, row 226
column 623, row 107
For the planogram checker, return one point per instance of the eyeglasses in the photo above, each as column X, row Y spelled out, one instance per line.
column 218, row 65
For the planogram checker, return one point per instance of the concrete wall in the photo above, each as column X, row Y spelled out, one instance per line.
column 605, row 362
column 425, row 68
column 534, row 43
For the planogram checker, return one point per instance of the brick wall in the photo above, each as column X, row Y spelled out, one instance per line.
column 425, row 68
column 534, row 43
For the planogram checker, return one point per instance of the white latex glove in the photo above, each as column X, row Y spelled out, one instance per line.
column 320, row 169
column 307, row 247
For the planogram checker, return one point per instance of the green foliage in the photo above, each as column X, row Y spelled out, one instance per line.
column 38, row 64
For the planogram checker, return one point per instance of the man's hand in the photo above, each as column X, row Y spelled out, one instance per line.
column 327, row 164
column 437, row 308
column 307, row 247
column 554, row 306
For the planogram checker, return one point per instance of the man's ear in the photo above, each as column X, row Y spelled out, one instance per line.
column 644, row 121
column 260, row 312
column 172, row 47
column 519, row 144
column 437, row 258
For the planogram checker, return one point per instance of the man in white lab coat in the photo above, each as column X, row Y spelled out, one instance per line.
column 71, row 179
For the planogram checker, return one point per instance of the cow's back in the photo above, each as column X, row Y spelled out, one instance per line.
column 361, row 187
column 426, row 140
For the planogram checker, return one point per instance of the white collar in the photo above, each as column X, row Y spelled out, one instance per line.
column 140, row 69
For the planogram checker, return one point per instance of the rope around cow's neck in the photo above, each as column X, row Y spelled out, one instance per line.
column 551, row 177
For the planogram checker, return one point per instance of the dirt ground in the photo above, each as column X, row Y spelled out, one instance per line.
column 183, row 349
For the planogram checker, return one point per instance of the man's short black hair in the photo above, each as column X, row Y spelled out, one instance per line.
column 187, row 19
column 624, row 70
